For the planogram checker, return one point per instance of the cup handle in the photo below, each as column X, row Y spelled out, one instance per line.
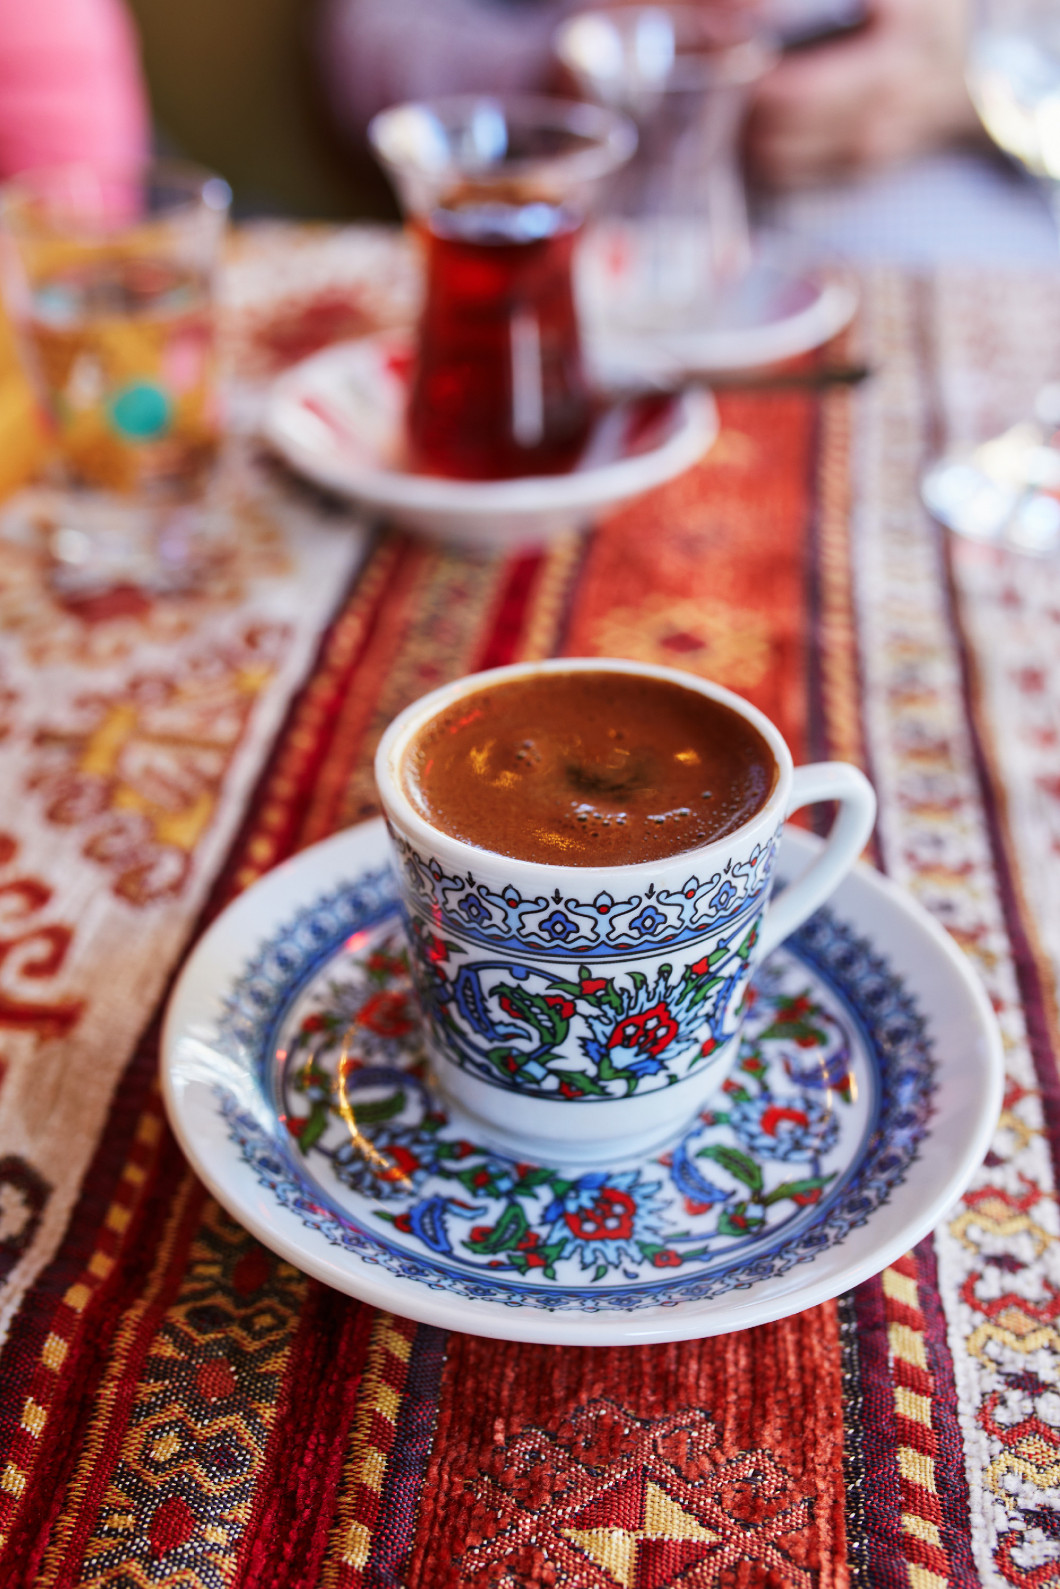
column 824, row 780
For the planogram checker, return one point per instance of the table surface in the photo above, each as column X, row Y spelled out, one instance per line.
column 178, row 1406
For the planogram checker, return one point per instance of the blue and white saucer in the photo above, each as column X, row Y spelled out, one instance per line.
column 867, row 1088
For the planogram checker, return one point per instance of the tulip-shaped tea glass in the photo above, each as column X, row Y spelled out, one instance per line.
column 497, row 190
column 676, row 228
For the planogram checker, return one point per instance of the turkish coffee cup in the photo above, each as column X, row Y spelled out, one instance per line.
column 584, row 1013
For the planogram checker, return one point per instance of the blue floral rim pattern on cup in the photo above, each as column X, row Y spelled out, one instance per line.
column 821, row 1119
column 658, row 919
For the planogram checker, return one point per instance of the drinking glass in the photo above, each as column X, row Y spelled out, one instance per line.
column 497, row 190
column 108, row 277
column 1008, row 489
column 676, row 233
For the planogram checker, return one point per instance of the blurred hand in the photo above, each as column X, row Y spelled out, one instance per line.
column 889, row 91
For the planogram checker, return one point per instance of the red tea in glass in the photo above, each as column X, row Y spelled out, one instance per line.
column 499, row 389
column 497, row 189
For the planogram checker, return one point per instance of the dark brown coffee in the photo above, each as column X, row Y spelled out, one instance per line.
column 588, row 768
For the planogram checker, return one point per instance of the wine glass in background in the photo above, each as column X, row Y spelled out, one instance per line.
column 1007, row 490
column 1013, row 75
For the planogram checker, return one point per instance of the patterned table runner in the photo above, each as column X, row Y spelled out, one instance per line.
column 177, row 1406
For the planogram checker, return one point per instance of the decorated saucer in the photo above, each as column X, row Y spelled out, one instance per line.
column 867, row 1088
column 338, row 418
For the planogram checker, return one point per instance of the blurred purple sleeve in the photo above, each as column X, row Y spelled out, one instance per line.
column 374, row 53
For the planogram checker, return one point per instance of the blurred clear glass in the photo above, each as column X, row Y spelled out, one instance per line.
column 109, row 279
column 675, row 235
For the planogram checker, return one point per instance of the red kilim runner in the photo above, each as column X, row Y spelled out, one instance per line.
column 179, row 1407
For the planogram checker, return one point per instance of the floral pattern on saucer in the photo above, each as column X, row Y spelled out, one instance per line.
column 819, row 1121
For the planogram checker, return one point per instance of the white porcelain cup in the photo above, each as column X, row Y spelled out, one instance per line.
column 584, row 1014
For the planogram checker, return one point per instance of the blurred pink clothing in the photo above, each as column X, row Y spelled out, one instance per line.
column 71, row 88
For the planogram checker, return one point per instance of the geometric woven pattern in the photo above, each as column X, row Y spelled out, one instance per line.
column 178, row 1406
column 674, row 1508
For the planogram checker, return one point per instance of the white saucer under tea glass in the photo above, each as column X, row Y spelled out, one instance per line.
column 339, row 419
